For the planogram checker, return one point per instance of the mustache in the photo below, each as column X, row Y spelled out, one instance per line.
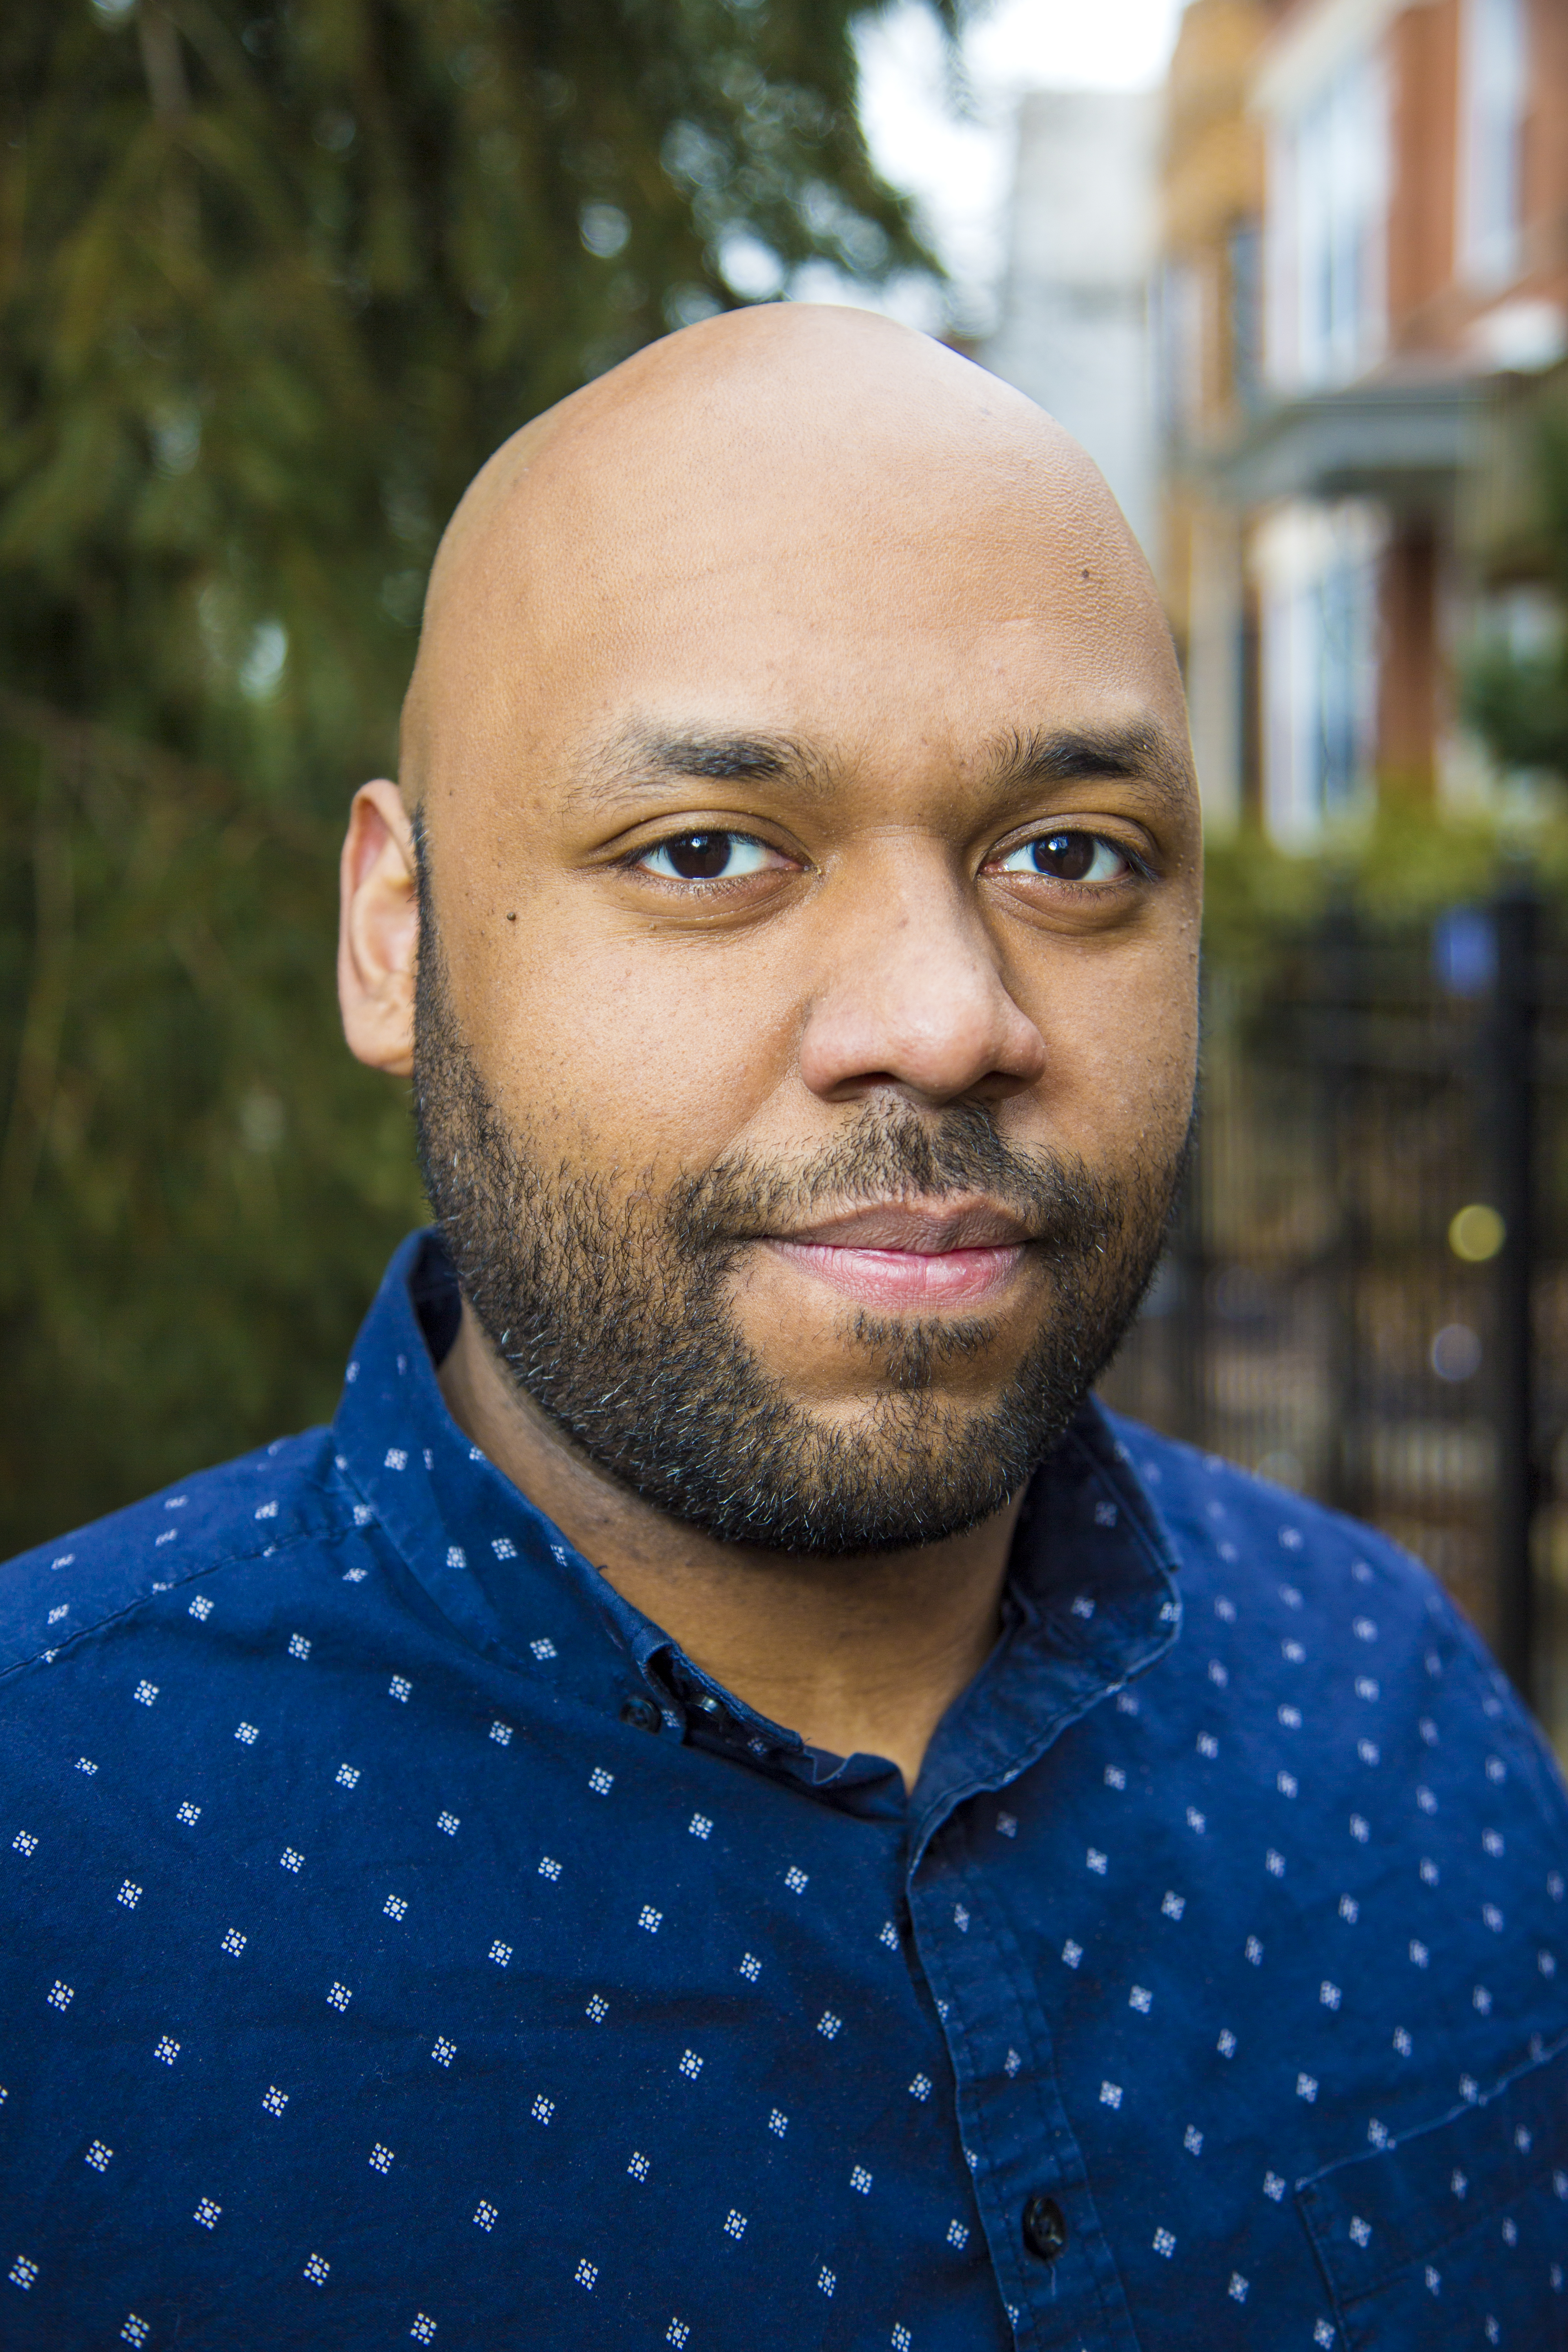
column 894, row 1152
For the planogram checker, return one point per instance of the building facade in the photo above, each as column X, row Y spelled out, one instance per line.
column 1363, row 252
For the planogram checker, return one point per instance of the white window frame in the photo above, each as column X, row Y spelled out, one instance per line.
column 1494, row 85
column 1319, row 567
column 1327, row 228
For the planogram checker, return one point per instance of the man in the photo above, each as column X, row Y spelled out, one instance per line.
column 724, row 1803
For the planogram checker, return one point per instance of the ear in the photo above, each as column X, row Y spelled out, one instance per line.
column 378, row 930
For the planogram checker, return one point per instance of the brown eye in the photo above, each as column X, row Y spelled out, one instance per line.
column 700, row 856
column 707, row 857
column 1067, row 857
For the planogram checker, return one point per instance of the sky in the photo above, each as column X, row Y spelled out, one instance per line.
column 954, row 154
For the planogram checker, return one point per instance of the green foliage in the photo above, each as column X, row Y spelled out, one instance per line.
column 1517, row 704
column 197, row 1187
column 1396, row 869
column 1517, row 698
column 273, row 282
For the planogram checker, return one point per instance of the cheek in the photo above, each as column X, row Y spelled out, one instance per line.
column 1120, row 1032
column 620, row 1057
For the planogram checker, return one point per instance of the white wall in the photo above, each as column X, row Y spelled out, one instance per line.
column 1074, row 330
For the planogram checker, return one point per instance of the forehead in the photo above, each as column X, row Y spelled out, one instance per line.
column 818, row 575
column 880, row 531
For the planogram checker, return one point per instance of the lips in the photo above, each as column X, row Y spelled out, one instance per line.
column 899, row 1254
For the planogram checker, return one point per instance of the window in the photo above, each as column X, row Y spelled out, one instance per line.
column 1327, row 229
column 1491, row 108
column 1244, row 248
column 1177, row 320
column 1318, row 569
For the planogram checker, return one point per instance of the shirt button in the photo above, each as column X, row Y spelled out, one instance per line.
column 1045, row 2228
column 641, row 1713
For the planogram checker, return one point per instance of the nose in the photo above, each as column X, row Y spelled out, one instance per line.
column 910, row 991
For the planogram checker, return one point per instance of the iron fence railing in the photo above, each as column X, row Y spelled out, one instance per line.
column 1366, row 1295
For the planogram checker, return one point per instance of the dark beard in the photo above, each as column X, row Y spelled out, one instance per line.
column 610, row 1311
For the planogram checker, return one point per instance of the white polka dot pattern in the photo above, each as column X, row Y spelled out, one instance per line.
column 584, row 2006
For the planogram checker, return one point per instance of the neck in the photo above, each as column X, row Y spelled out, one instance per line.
column 862, row 1654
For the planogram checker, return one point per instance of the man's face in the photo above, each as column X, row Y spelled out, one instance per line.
column 806, row 1024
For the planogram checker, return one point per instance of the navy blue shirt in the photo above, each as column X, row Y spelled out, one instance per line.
column 401, row 1940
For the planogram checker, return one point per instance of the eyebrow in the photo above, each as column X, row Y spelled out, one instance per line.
column 644, row 758
column 1139, row 753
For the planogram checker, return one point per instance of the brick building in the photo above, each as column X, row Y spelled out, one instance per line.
column 1364, row 257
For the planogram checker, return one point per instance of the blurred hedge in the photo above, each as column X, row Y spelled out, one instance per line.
column 197, row 1187
column 273, row 282
column 1515, row 695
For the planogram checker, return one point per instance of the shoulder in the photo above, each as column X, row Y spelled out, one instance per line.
column 1230, row 1529
column 1299, row 1617
column 288, row 1494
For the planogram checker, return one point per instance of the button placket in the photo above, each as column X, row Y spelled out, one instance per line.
column 1053, row 2265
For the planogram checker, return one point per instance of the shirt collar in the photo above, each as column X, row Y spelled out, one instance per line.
column 1091, row 1596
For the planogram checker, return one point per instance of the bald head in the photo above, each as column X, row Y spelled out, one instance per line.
column 778, row 454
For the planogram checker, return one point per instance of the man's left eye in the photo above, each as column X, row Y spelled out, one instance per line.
column 707, row 857
column 1068, row 858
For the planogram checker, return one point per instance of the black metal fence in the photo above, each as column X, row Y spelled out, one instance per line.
column 1367, row 1294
